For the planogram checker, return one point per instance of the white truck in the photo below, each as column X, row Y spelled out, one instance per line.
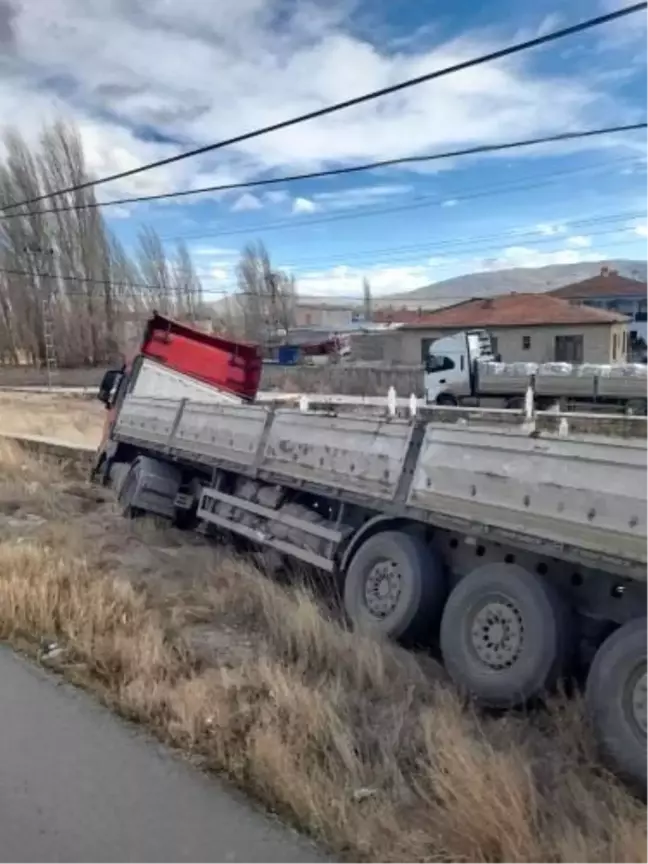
column 521, row 553
column 461, row 370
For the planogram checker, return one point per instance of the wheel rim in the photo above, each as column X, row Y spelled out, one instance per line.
column 496, row 633
column 382, row 588
column 634, row 697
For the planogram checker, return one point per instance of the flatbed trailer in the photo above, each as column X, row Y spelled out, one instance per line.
column 523, row 552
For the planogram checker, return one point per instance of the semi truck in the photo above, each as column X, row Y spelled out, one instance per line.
column 461, row 369
column 521, row 556
column 175, row 360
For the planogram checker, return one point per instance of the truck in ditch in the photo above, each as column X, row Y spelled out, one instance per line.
column 519, row 553
column 462, row 370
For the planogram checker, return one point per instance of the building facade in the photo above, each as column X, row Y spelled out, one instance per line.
column 322, row 316
column 533, row 327
column 615, row 293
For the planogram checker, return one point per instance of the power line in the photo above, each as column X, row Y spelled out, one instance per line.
column 473, row 242
column 418, row 203
column 156, row 291
column 349, row 103
column 351, row 169
column 450, row 245
column 459, row 246
column 91, row 280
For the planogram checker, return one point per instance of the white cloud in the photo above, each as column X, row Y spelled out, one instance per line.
column 126, row 70
column 219, row 274
column 579, row 241
column 304, row 205
column 625, row 34
column 451, row 202
column 360, row 196
column 213, row 251
column 524, row 256
column 119, row 212
column 639, row 228
column 246, row 202
column 345, row 281
column 277, row 196
column 442, row 261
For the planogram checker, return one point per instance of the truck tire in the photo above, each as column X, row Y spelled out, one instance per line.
column 615, row 695
column 127, row 492
column 505, row 635
column 395, row 586
column 447, row 399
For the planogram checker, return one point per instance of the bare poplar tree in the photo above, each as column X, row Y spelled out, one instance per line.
column 187, row 286
column 59, row 263
column 155, row 271
column 62, row 270
column 266, row 296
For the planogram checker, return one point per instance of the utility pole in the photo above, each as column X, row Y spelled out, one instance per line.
column 367, row 300
column 274, row 315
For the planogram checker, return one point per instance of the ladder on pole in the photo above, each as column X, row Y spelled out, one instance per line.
column 48, row 339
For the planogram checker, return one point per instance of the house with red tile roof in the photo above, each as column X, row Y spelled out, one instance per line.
column 534, row 327
column 614, row 292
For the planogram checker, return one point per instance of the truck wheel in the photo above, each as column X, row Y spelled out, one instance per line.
column 127, row 493
column 504, row 635
column 395, row 586
column 616, row 699
column 447, row 399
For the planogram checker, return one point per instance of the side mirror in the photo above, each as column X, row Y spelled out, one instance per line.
column 109, row 386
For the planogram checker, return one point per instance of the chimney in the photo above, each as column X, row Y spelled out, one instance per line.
column 487, row 303
column 605, row 271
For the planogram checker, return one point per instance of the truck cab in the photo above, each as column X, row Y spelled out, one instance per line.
column 450, row 366
column 175, row 360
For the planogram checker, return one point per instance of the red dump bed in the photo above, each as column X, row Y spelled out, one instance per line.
column 232, row 366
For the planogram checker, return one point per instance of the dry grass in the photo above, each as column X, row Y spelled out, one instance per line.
column 66, row 417
column 359, row 743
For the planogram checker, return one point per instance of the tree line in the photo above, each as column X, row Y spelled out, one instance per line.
column 67, row 281
column 65, row 273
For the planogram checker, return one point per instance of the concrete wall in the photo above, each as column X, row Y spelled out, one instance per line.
column 322, row 316
column 346, row 378
column 343, row 378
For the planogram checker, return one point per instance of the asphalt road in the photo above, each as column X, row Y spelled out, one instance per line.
column 77, row 784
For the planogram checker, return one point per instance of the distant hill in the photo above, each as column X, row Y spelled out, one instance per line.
column 522, row 280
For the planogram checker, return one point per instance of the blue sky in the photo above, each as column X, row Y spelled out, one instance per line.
column 148, row 78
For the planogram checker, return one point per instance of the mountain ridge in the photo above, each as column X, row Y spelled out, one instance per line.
column 522, row 280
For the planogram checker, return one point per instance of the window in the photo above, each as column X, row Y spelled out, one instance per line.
column 438, row 363
column 493, row 340
column 615, row 345
column 568, row 349
column 526, row 343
